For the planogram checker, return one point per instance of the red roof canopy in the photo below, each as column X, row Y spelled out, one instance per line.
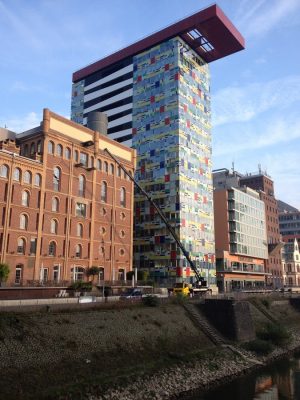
column 209, row 32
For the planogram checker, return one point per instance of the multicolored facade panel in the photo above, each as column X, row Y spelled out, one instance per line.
column 77, row 104
column 172, row 133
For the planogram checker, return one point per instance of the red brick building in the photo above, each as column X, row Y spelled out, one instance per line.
column 65, row 205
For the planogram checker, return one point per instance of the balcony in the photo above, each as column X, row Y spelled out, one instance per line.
column 240, row 268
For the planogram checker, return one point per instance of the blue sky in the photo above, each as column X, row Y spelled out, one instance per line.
column 255, row 93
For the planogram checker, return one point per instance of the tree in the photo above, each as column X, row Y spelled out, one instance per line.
column 92, row 272
column 4, row 272
column 142, row 275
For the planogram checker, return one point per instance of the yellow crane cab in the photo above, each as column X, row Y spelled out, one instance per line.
column 181, row 287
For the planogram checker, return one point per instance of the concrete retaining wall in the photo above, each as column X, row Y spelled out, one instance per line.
column 232, row 318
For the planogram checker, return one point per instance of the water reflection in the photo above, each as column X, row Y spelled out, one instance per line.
column 280, row 381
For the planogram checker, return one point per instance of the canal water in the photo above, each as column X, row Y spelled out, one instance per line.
column 279, row 381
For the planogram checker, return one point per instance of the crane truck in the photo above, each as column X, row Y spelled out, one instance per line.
column 186, row 289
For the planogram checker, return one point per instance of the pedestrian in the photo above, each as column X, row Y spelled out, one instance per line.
column 106, row 293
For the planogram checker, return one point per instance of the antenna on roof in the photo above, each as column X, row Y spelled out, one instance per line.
column 259, row 168
column 232, row 168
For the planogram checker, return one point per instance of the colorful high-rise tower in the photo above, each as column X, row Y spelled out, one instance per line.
column 156, row 94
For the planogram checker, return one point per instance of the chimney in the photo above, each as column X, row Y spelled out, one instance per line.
column 97, row 121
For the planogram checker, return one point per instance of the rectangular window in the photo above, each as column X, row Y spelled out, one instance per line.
column 18, row 277
column 33, row 246
column 80, row 210
column 56, row 273
column 45, row 274
column 3, row 215
column 84, row 159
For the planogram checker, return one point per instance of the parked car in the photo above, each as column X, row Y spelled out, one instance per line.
column 131, row 294
column 285, row 289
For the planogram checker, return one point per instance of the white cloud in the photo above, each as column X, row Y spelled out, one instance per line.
column 247, row 10
column 31, row 120
column 260, row 60
column 263, row 16
column 19, row 86
column 282, row 164
column 20, row 26
column 237, row 104
column 284, row 168
column 274, row 131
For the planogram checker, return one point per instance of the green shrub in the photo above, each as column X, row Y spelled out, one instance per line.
column 141, row 275
column 93, row 271
column 258, row 346
column 151, row 301
column 4, row 272
column 275, row 333
column 179, row 298
column 81, row 286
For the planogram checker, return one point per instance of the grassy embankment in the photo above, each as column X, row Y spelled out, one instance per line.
column 47, row 354
column 44, row 354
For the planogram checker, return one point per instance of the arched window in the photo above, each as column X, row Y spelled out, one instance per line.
column 55, row 204
column 119, row 171
column 59, row 150
column 17, row 174
column 81, row 186
column 78, row 273
column 27, row 177
column 26, row 150
column 67, row 153
column 4, row 171
column 25, row 198
column 99, row 165
column 37, row 180
column 56, row 179
column 21, row 246
column 102, row 250
column 39, row 147
column 112, row 169
column 78, row 251
column 123, row 197
column 32, row 149
column 53, row 226
column 76, row 155
column 23, row 221
column 50, row 147
column 105, row 166
column 79, row 230
column 52, row 249
column 104, row 192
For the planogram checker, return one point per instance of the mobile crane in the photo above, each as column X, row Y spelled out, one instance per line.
column 200, row 285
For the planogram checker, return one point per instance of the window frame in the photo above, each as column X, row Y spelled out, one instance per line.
column 23, row 222
column 5, row 168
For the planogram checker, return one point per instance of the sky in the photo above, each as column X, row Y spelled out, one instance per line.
column 255, row 93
